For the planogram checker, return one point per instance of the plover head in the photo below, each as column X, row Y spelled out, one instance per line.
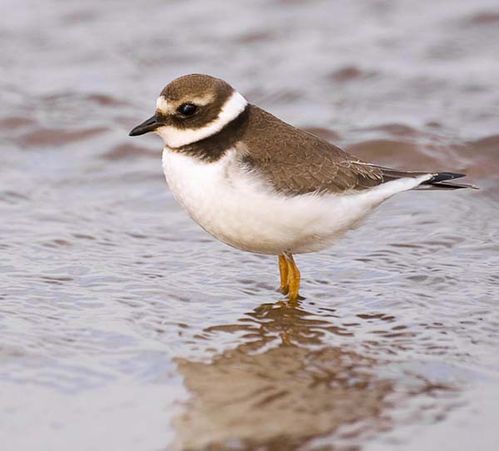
column 192, row 108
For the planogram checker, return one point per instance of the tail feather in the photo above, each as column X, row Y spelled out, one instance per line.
column 439, row 180
column 442, row 186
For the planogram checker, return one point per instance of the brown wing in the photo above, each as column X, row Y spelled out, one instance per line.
column 296, row 162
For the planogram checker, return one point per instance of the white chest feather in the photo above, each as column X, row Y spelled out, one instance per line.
column 238, row 209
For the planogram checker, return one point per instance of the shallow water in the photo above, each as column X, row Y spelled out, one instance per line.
column 124, row 326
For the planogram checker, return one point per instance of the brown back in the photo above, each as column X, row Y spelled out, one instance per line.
column 296, row 162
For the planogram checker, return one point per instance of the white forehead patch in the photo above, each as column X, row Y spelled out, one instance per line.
column 162, row 105
column 176, row 137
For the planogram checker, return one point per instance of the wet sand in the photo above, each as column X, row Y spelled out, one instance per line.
column 124, row 326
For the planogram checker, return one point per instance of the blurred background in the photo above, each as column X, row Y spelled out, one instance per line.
column 124, row 326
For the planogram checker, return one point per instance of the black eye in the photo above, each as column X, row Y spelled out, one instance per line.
column 187, row 109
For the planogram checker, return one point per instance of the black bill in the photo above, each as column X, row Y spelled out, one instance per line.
column 147, row 126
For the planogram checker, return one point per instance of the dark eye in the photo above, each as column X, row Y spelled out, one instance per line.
column 187, row 109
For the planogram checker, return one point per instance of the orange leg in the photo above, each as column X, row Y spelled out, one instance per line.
column 293, row 278
column 284, row 273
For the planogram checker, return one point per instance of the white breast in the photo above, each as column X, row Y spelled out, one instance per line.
column 238, row 209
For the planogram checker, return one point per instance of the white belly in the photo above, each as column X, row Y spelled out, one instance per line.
column 236, row 208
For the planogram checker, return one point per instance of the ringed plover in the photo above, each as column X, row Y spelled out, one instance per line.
column 261, row 185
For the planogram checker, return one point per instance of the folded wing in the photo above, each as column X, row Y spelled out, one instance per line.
column 296, row 162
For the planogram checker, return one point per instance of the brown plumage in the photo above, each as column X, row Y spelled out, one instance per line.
column 297, row 162
column 294, row 161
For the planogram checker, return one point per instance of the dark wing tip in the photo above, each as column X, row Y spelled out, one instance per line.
column 442, row 176
column 441, row 180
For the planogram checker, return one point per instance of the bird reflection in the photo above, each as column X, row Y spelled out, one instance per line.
column 281, row 387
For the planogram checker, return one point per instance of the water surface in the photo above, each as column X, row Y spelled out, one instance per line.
column 124, row 326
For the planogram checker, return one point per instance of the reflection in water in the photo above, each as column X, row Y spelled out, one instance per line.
column 103, row 276
column 284, row 386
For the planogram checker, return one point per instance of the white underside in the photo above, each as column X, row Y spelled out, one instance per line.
column 240, row 210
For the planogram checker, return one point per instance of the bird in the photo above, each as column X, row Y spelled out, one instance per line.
column 262, row 185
